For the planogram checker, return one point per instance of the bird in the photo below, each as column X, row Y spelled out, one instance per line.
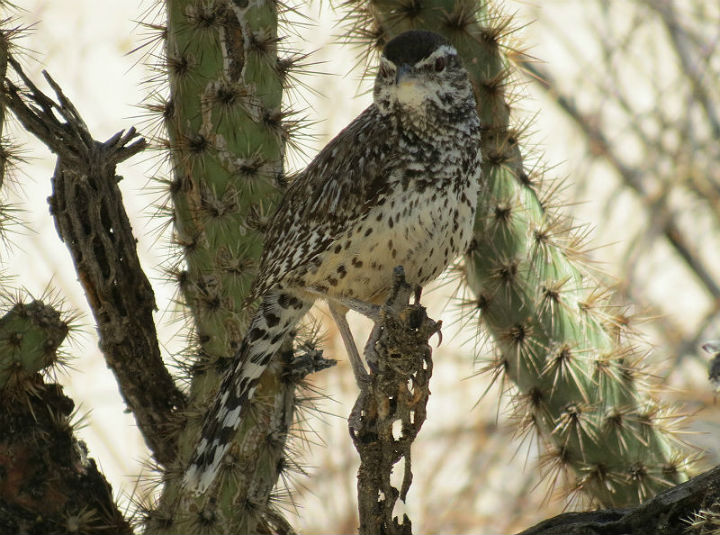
column 397, row 187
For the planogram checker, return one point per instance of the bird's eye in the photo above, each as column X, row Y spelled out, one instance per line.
column 440, row 64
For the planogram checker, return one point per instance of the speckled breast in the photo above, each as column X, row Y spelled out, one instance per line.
column 423, row 230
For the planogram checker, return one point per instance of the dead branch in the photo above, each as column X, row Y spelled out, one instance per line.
column 91, row 219
column 50, row 485
column 668, row 513
column 389, row 413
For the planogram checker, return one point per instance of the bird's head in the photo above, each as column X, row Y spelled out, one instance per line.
column 420, row 72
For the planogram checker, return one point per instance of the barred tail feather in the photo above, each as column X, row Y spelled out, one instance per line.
column 279, row 312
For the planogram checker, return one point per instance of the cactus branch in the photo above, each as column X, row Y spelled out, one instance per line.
column 50, row 485
column 29, row 337
column 91, row 220
column 226, row 135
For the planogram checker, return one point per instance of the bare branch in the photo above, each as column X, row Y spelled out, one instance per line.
column 668, row 513
column 679, row 40
column 390, row 411
column 90, row 218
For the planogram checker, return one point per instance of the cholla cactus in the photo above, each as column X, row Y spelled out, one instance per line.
column 226, row 136
column 49, row 483
column 579, row 374
column 30, row 334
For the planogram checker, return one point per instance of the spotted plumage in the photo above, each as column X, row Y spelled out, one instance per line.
column 398, row 186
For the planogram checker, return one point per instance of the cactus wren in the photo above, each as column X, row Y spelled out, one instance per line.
column 398, row 186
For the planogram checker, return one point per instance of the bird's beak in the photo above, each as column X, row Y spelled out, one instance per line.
column 402, row 71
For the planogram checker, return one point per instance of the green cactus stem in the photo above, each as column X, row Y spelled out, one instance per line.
column 226, row 137
column 226, row 142
column 30, row 335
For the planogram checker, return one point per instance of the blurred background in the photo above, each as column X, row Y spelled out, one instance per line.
column 621, row 99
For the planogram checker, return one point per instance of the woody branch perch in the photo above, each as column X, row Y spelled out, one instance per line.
column 391, row 410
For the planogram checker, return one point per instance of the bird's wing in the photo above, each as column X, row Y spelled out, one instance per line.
column 347, row 178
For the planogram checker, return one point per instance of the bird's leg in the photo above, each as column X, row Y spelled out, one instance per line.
column 400, row 293
column 418, row 293
column 338, row 313
column 361, row 376
column 368, row 310
column 338, row 308
column 363, row 308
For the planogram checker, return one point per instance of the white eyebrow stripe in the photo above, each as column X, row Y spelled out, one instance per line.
column 443, row 50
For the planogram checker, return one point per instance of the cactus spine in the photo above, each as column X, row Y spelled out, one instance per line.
column 8, row 155
column 226, row 135
column 5, row 43
column 570, row 354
